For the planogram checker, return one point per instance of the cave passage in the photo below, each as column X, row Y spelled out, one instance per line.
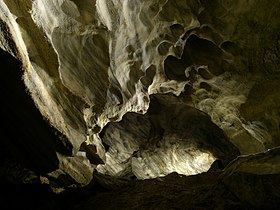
column 170, row 137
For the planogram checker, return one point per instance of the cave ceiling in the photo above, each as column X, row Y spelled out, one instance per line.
column 143, row 88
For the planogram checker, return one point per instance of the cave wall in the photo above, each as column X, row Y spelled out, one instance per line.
column 18, row 141
column 90, row 64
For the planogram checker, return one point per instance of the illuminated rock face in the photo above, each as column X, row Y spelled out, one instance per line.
column 170, row 137
column 249, row 182
column 125, row 82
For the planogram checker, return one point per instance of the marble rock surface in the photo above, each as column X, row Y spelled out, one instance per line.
column 145, row 88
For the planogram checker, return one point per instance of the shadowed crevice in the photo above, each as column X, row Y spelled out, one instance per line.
column 25, row 135
column 197, row 51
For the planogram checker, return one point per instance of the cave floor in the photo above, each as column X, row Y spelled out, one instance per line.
column 209, row 190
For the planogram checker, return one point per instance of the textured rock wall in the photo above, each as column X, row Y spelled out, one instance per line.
column 91, row 64
column 170, row 137
column 250, row 182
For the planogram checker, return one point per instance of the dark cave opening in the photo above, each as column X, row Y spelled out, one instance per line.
column 24, row 132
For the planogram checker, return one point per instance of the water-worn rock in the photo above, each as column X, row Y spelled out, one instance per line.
column 139, row 88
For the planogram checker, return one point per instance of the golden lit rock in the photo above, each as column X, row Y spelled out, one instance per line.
column 147, row 88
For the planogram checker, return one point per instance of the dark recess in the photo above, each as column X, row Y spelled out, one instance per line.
column 25, row 135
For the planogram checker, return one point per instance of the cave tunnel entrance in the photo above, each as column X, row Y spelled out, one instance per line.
column 170, row 137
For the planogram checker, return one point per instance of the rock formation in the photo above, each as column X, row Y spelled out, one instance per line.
column 134, row 90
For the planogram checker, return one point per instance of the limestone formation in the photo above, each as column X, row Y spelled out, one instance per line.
column 142, row 89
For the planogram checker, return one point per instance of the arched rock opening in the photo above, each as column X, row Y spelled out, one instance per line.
column 170, row 137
